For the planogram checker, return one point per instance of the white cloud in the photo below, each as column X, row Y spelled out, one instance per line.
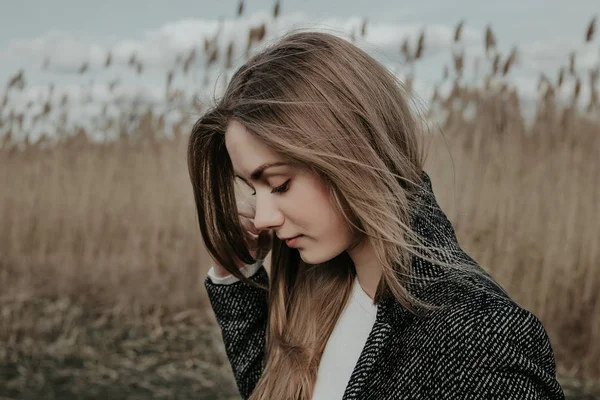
column 553, row 54
column 158, row 49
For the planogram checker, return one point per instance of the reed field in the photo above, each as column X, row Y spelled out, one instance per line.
column 102, row 264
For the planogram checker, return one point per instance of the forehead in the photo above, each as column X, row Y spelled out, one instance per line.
column 246, row 151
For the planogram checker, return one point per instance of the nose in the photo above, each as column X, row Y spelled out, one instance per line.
column 267, row 215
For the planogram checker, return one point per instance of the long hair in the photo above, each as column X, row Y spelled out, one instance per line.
column 321, row 102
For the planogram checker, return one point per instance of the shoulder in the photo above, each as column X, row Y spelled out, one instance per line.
column 491, row 340
column 489, row 344
column 478, row 316
column 488, row 325
column 479, row 347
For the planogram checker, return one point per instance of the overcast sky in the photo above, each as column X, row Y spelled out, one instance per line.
column 514, row 19
column 71, row 32
column 106, row 23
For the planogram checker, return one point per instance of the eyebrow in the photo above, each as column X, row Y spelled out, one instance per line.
column 256, row 175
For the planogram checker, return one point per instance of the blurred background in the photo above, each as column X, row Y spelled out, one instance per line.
column 101, row 261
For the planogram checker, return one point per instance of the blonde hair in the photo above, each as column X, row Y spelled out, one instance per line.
column 321, row 102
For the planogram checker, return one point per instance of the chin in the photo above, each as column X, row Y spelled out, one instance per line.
column 314, row 259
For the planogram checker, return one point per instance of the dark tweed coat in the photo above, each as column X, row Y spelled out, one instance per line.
column 481, row 345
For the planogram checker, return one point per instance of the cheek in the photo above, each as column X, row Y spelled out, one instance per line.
column 325, row 228
column 318, row 207
column 323, row 217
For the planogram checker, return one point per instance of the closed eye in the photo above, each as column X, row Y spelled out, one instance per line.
column 279, row 189
column 283, row 188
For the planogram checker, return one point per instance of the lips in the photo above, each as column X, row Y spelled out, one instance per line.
column 292, row 241
column 288, row 238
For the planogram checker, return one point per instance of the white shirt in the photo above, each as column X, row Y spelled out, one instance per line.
column 345, row 343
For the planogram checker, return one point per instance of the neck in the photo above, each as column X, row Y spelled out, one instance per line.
column 368, row 271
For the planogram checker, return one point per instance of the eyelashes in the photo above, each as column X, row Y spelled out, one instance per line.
column 283, row 188
column 279, row 189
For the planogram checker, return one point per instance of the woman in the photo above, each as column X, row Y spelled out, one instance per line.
column 374, row 298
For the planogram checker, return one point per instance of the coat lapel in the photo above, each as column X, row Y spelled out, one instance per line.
column 391, row 315
column 375, row 345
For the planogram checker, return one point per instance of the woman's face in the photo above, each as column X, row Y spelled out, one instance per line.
column 290, row 200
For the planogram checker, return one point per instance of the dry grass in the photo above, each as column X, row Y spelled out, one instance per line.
column 526, row 207
column 102, row 264
column 115, row 221
column 74, row 350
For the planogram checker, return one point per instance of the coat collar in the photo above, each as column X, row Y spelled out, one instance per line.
column 436, row 230
column 430, row 222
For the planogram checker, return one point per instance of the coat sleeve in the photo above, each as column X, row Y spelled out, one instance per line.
column 506, row 354
column 241, row 312
column 247, row 270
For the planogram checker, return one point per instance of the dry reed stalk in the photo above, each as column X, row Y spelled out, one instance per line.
column 405, row 50
column 561, row 77
column 572, row 63
column 255, row 35
column 594, row 97
column 212, row 58
column 458, row 31
column 510, row 61
column 229, row 57
column 189, row 60
column 490, row 40
column 589, row 34
column 496, row 64
column 459, row 63
column 240, row 9
column 576, row 90
column 420, row 46
column 17, row 81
